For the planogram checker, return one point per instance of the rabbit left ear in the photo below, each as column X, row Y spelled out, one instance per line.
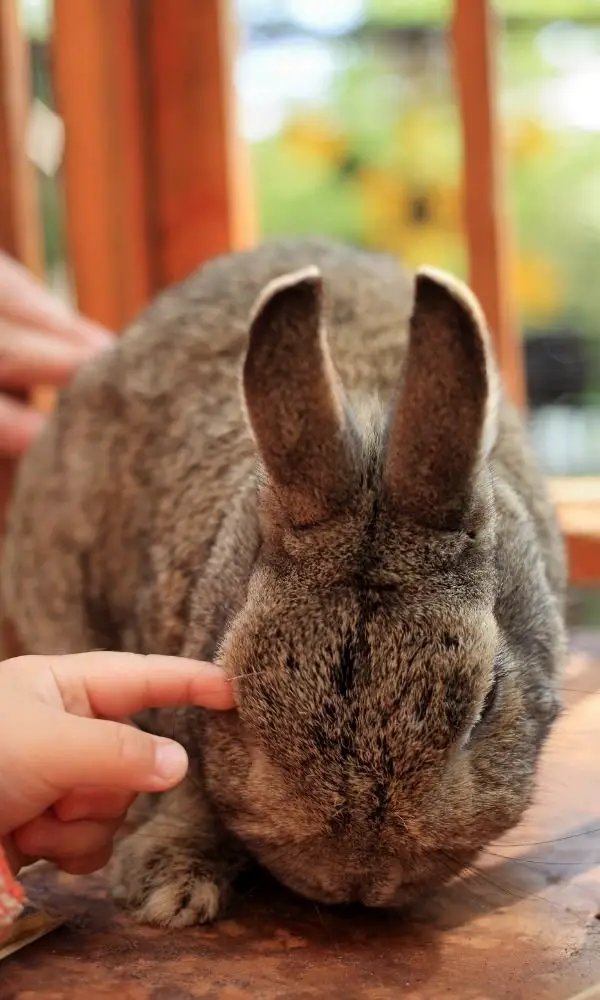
column 294, row 402
column 445, row 419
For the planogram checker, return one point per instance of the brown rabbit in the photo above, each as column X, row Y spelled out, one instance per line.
column 378, row 568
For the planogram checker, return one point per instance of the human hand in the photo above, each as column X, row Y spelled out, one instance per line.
column 68, row 773
column 42, row 342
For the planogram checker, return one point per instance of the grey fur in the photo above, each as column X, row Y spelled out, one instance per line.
column 365, row 583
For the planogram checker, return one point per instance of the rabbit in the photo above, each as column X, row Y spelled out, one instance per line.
column 301, row 463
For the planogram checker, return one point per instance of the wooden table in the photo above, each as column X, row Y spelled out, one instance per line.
column 577, row 500
column 527, row 928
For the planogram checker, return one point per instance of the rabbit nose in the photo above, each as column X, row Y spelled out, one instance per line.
column 377, row 895
column 356, row 892
column 363, row 892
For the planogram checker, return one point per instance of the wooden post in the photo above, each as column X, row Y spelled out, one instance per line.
column 485, row 209
column 97, row 87
column 20, row 223
column 489, row 246
column 577, row 501
column 155, row 175
column 197, row 162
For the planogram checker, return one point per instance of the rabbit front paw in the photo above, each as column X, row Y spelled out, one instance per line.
column 166, row 884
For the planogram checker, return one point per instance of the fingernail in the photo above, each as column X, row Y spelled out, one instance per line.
column 212, row 688
column 212, row 671
column 170, row 761
column 201, row 667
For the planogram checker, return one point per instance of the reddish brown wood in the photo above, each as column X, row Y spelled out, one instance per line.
column 577, row 500
column 484, row 195
column 155, row 174
column 584, row 559
column 20, row 225
column 97, row 85
column 199, row 180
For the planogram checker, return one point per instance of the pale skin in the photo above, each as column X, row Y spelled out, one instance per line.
column 71, row 766
column 42, row 342
column 71, row 763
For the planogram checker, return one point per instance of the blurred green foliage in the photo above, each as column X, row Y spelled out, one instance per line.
column 392, row 145
column 371, row 113
column 403, row 12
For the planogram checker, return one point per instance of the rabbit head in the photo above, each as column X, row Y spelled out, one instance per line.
column 384, row 729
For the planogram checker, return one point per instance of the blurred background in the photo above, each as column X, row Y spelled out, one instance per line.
column 350, row 113
column 349, row 110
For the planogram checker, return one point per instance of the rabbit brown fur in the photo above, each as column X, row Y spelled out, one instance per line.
column 385, row 584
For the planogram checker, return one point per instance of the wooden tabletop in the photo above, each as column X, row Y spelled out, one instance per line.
column 578, row 501
column 528, row 927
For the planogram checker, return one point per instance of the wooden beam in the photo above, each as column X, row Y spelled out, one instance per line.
column 200, row 179
column 96, row 80
column 583, row 552
column 483, row 183
column 20, row 223
column 577, row 500
column 155, row 174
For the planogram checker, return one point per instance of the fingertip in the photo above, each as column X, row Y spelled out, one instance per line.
column 99, row 335
column 211, row 688
column 227, row 702
column 223, row 696
column 88, row 333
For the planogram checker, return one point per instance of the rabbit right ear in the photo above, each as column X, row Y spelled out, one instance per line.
column 444, row 423
column 295, row 404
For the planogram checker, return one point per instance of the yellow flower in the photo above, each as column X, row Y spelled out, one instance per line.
column 425, row 142
column 527, row 139
column 315, row 136
column 421, row 223
column 537, row 285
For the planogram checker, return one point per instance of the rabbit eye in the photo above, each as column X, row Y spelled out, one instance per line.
column 490, row 700
column 488, row 706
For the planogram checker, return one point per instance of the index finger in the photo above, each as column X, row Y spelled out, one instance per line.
column 26, row 300
column 112, row 685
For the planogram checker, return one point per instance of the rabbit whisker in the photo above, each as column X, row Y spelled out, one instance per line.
column 554, row 840
column 475, row 872
column 537, row 861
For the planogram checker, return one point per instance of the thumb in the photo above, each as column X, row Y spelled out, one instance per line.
column 102, row 753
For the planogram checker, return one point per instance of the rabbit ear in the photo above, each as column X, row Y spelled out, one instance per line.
column 444, row 423
column 295, row 406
